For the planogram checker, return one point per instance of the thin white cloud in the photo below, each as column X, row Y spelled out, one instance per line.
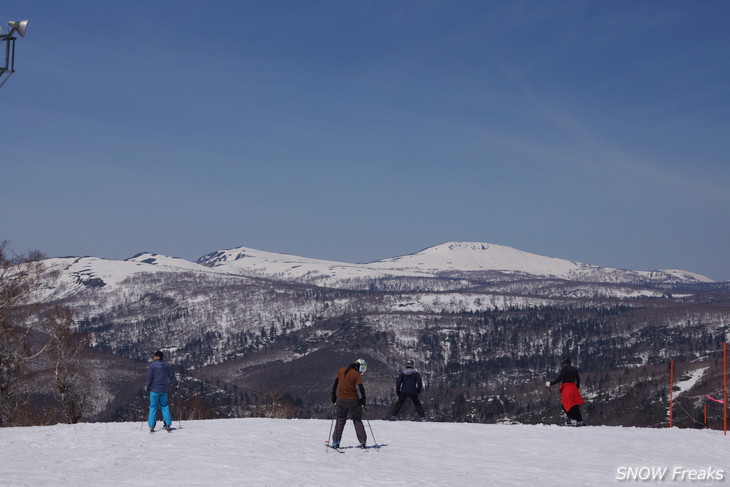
column 607, row 153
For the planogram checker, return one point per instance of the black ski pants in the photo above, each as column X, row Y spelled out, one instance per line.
column 354, row 409
column 414, row 399
column 574, row 413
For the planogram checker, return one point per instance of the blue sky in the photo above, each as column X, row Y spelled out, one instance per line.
column 360, row 130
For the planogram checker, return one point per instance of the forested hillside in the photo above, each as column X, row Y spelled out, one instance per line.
column 484, row 341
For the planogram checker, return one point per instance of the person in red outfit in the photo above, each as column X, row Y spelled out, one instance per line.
column 569, row 381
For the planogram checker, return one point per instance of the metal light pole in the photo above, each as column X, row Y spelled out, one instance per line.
column 8, row 69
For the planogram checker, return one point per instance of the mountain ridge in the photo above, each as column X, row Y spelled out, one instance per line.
column 455, row 262
column 450, row 257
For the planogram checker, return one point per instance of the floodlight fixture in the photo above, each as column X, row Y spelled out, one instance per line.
column 19, row 27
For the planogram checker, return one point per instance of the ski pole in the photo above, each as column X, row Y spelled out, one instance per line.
column 334, row 413
column 177, row 391
column 174, row 401
column 143, row 408
column 371, row 428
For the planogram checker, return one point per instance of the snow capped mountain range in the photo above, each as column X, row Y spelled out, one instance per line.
column 453, row 260
column 449, row 258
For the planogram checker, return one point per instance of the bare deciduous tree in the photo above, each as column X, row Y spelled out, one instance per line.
column 71, row 385
column 20, row 276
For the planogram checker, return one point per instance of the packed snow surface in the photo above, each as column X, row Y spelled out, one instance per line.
column 278, row 452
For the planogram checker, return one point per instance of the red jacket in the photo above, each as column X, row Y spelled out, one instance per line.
column 570, row 396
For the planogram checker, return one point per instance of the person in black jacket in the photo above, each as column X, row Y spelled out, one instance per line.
column 569, row 394
column 408, row 386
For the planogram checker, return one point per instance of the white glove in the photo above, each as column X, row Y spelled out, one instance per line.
column 547, row 384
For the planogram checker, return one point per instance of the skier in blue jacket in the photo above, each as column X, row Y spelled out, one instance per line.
column 408, row 386
column 158, row 375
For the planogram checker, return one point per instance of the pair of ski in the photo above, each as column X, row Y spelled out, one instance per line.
column 340, row 450
column 574, row 425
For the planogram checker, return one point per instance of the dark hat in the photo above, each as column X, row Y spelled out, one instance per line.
column 566, row 361
column 158, row 354
column 409, row 364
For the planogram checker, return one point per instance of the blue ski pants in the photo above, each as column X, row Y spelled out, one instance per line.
column 159, row 400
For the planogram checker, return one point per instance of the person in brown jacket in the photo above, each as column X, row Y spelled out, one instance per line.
column 345, row 398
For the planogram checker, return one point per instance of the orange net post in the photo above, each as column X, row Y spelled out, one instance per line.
column 671, row 390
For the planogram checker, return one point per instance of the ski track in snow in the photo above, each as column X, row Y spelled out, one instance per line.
column 278, row 452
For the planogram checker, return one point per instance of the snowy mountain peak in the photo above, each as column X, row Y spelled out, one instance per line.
column 450, row 257
column 479, row 256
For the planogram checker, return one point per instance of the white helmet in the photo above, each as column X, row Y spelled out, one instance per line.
column 362, row 366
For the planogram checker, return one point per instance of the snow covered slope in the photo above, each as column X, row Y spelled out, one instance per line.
column 279, row 452
column 455, row 259
column 99, row 285
column 168, row 262
column 76, row 274
column 477, row 256
column 292, row 267
column 452, row 258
